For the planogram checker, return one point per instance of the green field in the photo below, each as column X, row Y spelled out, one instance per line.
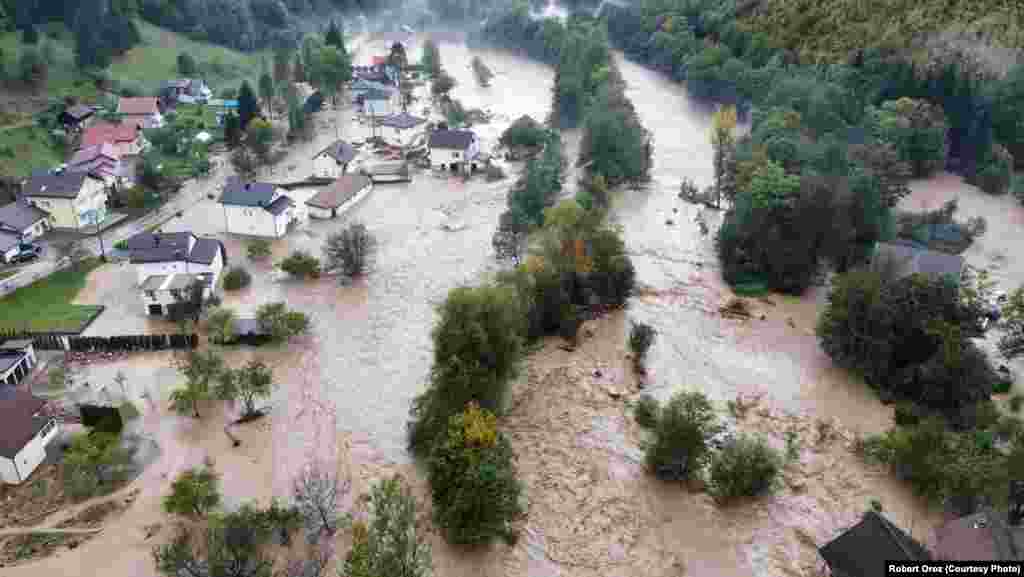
column 25, row 148
column 45, row 305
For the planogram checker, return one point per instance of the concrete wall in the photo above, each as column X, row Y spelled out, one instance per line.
column 8, row 474
column 30, row 455
column 148, row 269
column 445, row 156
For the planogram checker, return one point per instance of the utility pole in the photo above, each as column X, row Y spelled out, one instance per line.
column 99, row 233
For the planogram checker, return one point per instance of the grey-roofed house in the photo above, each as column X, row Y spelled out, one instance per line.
column 23, row 219
column 904, row 258
column 258, row 209
column 862, row 550
column 333, row 161
column 987, row 534
column 339, row 196
column 76, row 117
column 24, row 433
column 453, row 149
column 74, row 200
column 176, row 253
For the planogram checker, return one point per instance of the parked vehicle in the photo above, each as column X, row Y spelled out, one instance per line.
column 25, row 256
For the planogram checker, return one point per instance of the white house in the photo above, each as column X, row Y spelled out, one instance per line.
column 74, row 200
column 22, row 219
column 143, row 111
column 159, row 291
column 176, row 253
column 258, row 209
column 332, row 161
column 453, row 149
column 24, row 434
column 17, row 358
column 340, row 196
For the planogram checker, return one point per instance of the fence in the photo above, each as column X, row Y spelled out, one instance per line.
column 59, row 342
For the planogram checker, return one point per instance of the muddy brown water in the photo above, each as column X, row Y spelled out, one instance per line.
column 592, row 509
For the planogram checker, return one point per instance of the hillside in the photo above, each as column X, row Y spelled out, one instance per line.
column 832, row 30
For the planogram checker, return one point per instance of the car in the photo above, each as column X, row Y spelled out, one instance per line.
column 23, row 257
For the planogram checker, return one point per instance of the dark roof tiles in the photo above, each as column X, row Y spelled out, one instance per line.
column 20, row 216
column 241, row 193
column 451, row 139
column 17, row 422
column 64, row 185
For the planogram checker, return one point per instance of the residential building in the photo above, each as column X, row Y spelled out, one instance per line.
column 340, row 196
column 186, row 90
column 258, row 209
column 862, row 550
column 125, row 137
column 75, row 118
column 387, row 171
column 361, row 85
column 333, row 161
column 904, row 258
column 24, row 434
column 102, row 161
column 24, row 220
column 160, row 291
column 176, row 253
column 74, row 200
column 17, row 357
column 453, row 149
column 143, row 112
column 986, row 534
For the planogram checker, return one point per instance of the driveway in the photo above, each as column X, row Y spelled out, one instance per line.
column 113, row 286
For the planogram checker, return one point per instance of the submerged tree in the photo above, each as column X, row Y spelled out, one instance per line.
column 391, row 545
column 195, row 492
column 350, row 250
column 723, row 123
column 316, row 493
column 200, row 370
column 247, row 384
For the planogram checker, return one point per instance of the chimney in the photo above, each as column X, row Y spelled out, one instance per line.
column 1015, row 514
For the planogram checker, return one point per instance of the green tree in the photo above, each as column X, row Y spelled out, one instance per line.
column 680, row 446
column 330, row 69
column 916, row 129
column 316, row 493
column 32, row 68
column 267, row 90
column 301, row 264
column 298, row 119
column 430, row 59
column 232, row 545
column 473, row 480
column 334, row 37
column 391, row 545
column 282, row 67
column 478, row 344
column 200, row 370
column 236, row 278
column 744, row 467
column 248, row 106
column 232, row 129
column 481, row 71
column 442, row 85
column 350, row 250
column 247, row 384
column 186, row 64
column 771, row 187
column 614, row 142
column 260, row 137
column 220, row 325
column 723, row 123
column 281, row 323
column 195, row 492
column 298, row 70
column 258, row 249
column 397, row 56
column 93, row 462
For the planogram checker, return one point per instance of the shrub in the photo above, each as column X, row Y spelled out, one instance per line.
column 391, row 545
column 121, row 244
column 220, row 325
column 237, row 278
column 194, row 493
column 350, row 250
column 1002, row 387
column 186, row 64
column 680, row 448
column 473, row 480
column 258, row 249
column 641, row 337
column 1016, row 401
column 301, row 264
column 994, row 177
column 745, row 467
column 280, row 322
column 93, row 463
column 792, row 445
column 646, row 411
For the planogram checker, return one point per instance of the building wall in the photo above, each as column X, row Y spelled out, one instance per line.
column 62, row 211
column 250, row 220
column 30, row 455
column 444, row 156
column 92, row 197
column 163, row 298
column 323, row 213
column 324, row 166
column 8, row 474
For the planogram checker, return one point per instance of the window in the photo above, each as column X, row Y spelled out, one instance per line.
column 176, row 294
column 455, row 155
column 151, row 295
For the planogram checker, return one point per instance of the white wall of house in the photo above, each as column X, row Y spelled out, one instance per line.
column 325, row 213
column 145, row 120
column 445, row 156
column 69, row 212
column 255, row 221
column 29, row 457
column 325, row 166
column 164, row 298
column 145, row 270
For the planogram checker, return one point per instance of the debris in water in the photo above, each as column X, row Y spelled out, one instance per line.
column 670, row 222
column 735, row 308
column 597, row 373
column 789, row 321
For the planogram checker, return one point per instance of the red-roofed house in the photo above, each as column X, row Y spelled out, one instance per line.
column 142, row 111
column 103, row 162
column 126, row 138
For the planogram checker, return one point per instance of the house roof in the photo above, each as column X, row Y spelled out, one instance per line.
column 182, row 281
column 340, row 191
column 16, row 344
column 241, row 193
column 173, row 247
column 281, row 204
column 339, row 150
column 10, row 358
column 102, row 132
column 862, row 550
column 403, row 121
column 20, row 215
column 451, row 139
column 17, row 422
column 206, row 249
column 138, row 105
column 378, row 60
column 376, row 94
column 984, row 535
column 909, row 259
column 79, row 112
column 9, row 240
column 67, row 184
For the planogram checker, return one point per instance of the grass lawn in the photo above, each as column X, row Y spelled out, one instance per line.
column 45, row 304
column 156, row 60
column 26, row 148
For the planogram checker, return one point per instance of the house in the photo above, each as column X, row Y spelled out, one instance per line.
column 77, row 117
column 186, row 90
column 332, row 161
column 160, row 291
column 862, row 550
column 904, row 258
column 125, row 137
column 360, row 86
column 102, row 161
column 376, row 102
column 340, row 196
column 987, row 534
column 258, row 209
column 17, row 358
column 387, row 171
column 24, row 220
column 453, row 149
column 73, row 200
column 176, row 253
column 24, row 434
column 143, row 111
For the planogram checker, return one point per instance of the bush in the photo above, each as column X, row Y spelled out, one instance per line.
column 745, row 467
column 680, row 447
column 995, row 176
column 301, row 264
column 237, row 278
column 391, row 545
column 194, row 493
column 121, row 244
column 93, row 463
column 473, row 480
column 186, row 64
column 258, row 249
column 280, row 322
column 1016, row 401
column 646, row 411
column 220, row 325
column 350, row 250
column 1002, row 387
column 641, row 337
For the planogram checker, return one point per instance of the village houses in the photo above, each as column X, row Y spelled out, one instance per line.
column 103, row 161
column 167, row 265
column 20, row 223
column 333, row 161
column 339, row 196
column 453, row 149
column 24, row 433
column 73, row 200
column 77, row 117
column 258, row 209
column 126, row 138
column 143, row 112
column 186, row 90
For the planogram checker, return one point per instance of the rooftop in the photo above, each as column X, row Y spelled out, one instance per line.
column 984, row 535
column 173, row 247
column 241, row 193
column 907, row 259
column 339, row 150
column 109, row 132
column 10, row 358
column 138, row 105
column 153, row 283
column 15, row 344
column 451, row 139
column 862, row 550
column 281, row 204
column 340, row 191
column 17, row 421
column 63, row 185
column 79, row 111
column 19, row 216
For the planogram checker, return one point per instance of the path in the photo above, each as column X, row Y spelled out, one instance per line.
column 49, row 530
